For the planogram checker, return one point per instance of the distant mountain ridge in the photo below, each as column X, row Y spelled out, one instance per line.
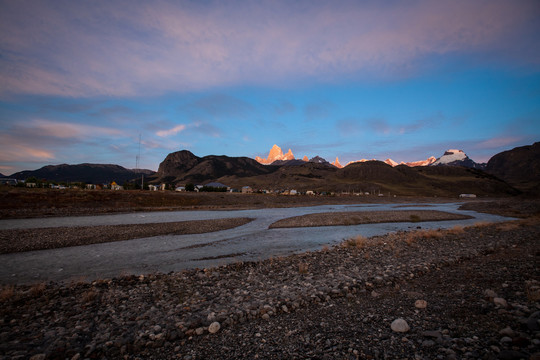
column 86, row 173
column 276, row 157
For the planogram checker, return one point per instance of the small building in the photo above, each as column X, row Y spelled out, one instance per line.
column 180, row 188
column 153, row 187
column 115, row 186
column 30, row 185
column 247, row 190
column 293, row 192
column 469, row 196
column 6, row 181
column 162, row 187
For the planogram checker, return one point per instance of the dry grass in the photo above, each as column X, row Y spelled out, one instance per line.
column 481, row 224
column 532, row 288
column 37, row 290
column 357, row 242
column 509, row 226
column 456, row 230
column 414, row 236
column 7, row 293
column 303, row 268
column 89, row 296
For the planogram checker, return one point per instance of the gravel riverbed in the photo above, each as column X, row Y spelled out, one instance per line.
column 460, row 293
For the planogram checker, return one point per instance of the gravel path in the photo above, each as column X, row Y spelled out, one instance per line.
column 19, row 240
column 365, row 217
column 463, row 293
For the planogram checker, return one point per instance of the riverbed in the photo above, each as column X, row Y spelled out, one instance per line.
column 250, row 242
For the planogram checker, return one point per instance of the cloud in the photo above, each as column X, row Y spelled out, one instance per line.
column 380, row 126
column 69, row 130
column 74, row 48
column 498, row 142
column 170, row 132
column 12, row 150
column 219, row 106
column 284, row 107
column 349, row 127
column 320, row 110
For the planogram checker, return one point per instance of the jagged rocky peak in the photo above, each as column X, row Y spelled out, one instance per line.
column 275, row 154
column 337, row 163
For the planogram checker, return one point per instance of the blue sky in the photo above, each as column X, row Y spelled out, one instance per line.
column 81, row 80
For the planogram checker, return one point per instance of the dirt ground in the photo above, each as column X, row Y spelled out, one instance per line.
column 28, row 203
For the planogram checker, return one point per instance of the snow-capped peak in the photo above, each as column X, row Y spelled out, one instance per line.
column 450, row 156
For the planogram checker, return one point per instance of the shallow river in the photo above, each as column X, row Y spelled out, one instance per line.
column 253, row 241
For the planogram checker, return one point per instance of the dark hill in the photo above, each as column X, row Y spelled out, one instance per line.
column 183, row 166
column 519, row 167
column 87, row 173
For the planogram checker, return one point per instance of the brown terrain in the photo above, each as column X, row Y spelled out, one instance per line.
column 464, row 293
column 26, row 203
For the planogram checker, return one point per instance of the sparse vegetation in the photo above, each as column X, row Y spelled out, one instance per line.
column 357, row 242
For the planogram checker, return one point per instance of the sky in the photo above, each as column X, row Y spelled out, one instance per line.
column 104, row 81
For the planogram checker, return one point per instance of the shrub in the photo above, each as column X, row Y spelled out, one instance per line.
column 357, row 242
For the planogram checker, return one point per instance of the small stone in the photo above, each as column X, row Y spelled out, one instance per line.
column 374, row 294
column 507, row 331
column 157, row 329
column 400, row 325
column 490, row 293
column 506, row 339
column 38, row 357
column 500, row 302
column 428, row 343
column 214, row 327
column 199, row 331
column 420, row 304
column 266, row 316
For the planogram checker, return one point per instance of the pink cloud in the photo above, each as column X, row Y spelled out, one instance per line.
column 71, row 130
column 89, row 49
column 170, row 132
column 499, row 142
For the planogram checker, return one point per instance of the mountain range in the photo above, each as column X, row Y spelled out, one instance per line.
column 450, row 157
column 504, row 174
column 86, row 173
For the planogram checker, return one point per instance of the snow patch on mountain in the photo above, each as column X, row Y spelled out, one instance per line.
column 451, row 156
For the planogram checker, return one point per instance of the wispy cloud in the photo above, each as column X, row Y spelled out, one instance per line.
column 175, row 130
column 117, row 49
column 70, row 130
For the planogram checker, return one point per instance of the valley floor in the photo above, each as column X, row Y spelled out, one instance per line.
column 480, row 288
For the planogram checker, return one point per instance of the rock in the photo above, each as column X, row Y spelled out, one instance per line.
column 507, row 331
column 506, row 340
column 38, row 357
column 214, row 327
column 400, row 325
column 500, row 302
column 490, row 294
column 420, row 304
column 428, row 343
column 511, row 355
column 199, row 331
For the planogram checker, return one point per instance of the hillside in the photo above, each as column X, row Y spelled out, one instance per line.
column 377, row 176
column 183, row 166
column 88, row 173
column 519, row 167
